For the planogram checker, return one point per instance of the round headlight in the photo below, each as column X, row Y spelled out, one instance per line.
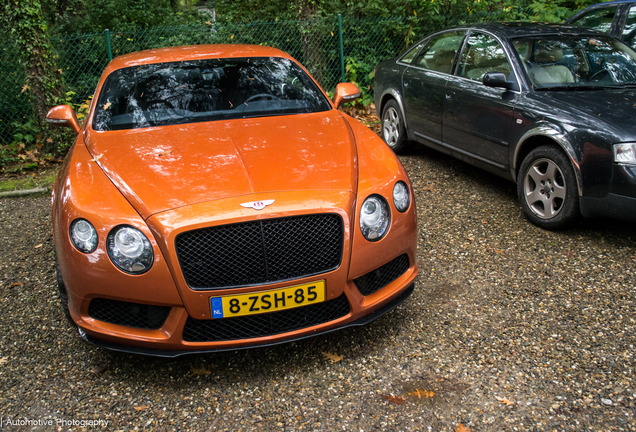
column 129, row 249
column 401, row 196
column 83, row 235
column 374, row 218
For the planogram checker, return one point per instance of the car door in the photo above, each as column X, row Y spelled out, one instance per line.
column 604, row 19
column 477, row 119
column 628, row 33
column 423, row 85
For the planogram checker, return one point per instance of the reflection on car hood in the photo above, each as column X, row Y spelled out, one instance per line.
column 614, row 107
column 163, row 168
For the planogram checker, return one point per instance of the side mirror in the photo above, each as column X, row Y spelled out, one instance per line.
column 345, row 92
column 496, row 79
column 63, row 116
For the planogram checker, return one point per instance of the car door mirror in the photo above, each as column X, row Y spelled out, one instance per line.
column 63, row 116
column 496, row 79
column 345, row 92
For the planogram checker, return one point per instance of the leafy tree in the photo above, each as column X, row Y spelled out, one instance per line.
column 86, row 16
column 25, row 24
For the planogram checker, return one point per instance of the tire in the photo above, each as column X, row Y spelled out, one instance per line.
column 393, row 130
column 547, row 189
column 63, row 294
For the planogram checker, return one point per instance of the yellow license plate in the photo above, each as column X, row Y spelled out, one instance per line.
column 268, row 301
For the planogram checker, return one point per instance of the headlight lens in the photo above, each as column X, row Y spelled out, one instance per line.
column 401, row 196
column 83, row 235
column 129, row 249
column 625, row 153
column 374, row 218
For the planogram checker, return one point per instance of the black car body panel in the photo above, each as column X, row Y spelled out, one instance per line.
column 495, row 128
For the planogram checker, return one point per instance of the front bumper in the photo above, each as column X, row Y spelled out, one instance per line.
column 620, row 202
column 364, row 298
column 387, row 307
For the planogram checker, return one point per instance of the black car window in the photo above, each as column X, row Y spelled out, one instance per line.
column 564, row 61
column 598, row 19
column 482, row 54
column 439, row 52
column 411, row 53
column 204, row 90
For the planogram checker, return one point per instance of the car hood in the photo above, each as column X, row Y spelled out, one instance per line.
column 616, row 108
column 167, row 167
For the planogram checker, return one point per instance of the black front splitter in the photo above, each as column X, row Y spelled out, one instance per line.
column 171, row 353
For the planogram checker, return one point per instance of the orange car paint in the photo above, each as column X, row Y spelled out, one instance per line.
column 170, row 179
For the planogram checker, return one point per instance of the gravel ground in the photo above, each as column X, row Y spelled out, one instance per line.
column 510, row 328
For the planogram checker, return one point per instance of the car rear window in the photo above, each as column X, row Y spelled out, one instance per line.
column 205, row 90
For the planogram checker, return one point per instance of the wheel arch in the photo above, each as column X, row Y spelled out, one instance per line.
column 386, row 97
column 544, row 135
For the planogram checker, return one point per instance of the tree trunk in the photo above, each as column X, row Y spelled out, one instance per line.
column 311, row 38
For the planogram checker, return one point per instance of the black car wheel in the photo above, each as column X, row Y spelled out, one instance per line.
column 393, row 130
column 63, row 294
column 547, row 190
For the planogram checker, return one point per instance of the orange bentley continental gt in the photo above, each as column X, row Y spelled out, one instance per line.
column 216, row 199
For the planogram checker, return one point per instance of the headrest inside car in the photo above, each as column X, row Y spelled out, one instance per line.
column 547, row 55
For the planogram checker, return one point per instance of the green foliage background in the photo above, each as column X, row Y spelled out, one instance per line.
column 55, row 50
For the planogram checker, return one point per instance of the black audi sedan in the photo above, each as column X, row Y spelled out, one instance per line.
column 550, row 107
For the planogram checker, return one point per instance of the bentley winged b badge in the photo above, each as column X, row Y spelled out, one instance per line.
column 257, row 205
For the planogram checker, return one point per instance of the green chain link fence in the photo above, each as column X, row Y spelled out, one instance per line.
column 333, row 49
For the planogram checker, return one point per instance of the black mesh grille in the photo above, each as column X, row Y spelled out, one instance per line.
column 260, row 252
column 128, row 314
column 253, row 326
column 382, row 276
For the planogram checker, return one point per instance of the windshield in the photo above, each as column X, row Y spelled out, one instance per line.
column 577, row 62
column 204, row 90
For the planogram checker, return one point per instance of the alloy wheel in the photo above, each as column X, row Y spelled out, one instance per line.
column 544, row 188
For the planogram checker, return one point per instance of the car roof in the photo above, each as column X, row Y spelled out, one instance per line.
column 194, row 52
column 516, row 29
column 609, row 3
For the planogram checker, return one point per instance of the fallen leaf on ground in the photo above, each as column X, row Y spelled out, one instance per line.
column 199, row 371
column 504, row 401
column 142, row 408
column 461, row 428
column 16, row 284
column 96, row 158
column 397, row 400
column 499, row 251
column 422, row 394
column 333, row 357
column 428, row 188
column 98, row 370
column 24, row 88
column 38, row 246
